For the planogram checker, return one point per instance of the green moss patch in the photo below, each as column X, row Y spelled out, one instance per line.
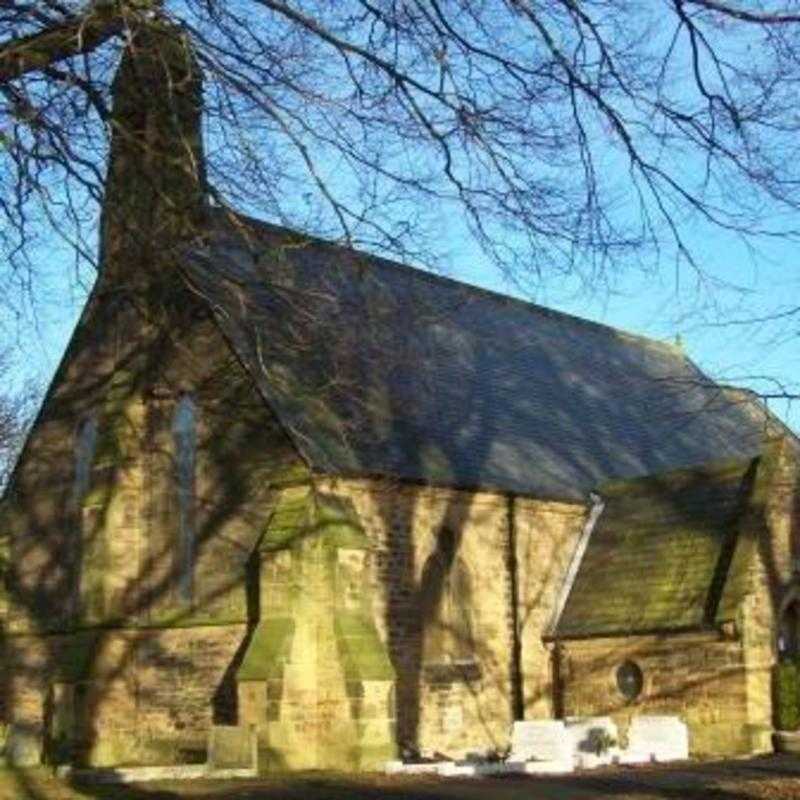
column 268, row 650
column 660, row 555
column 336, row 519
column 290, row 520
column 787, row 696
column 301, row 512
column 363, row 654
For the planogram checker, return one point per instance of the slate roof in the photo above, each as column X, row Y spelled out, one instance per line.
column 375, row 368
column 676, row 533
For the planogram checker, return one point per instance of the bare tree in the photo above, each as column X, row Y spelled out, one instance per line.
column 570, row 135
column 17, row 409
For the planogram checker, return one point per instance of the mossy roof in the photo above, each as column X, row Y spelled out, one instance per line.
column 378, row 369
column 660, row 554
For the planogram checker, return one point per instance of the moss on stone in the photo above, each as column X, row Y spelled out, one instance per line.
column 302, row 512
column 363, row 654
column 336, row 519
column 268, row 650
column 673, row 480
column 290, row 520
column 787, row 696
column 659, row 556
column 294, row 473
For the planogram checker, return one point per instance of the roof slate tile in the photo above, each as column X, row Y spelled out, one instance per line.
column 375, row 368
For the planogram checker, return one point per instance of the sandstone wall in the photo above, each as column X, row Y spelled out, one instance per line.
column 462, row 699
column 773, row 548
column 124, row 696
column 546, row 535
column 461, row 584
column 720, row 682
column 95, row 552
column 700, row 677
column 455, row 684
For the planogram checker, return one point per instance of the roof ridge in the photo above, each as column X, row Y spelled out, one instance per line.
column 434, row 277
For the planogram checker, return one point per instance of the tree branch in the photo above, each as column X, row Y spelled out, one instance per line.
column 77, row 35
column 746, row 15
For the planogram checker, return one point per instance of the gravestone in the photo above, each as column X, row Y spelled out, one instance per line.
column 542, row 745
column 542, row 740
column 656, row 738
column 594, row 741
column 232, row 747
column 23, row 746
column 427, row 768
column 465, row 769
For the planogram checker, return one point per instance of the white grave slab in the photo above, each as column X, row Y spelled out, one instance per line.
column 456, row 769
column 560, row 767
column 656, row 738
column 467, row 770
column 540, row 740
column 428, row 768
column 584, row 733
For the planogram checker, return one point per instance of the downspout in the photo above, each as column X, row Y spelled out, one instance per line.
column 595, row 508
column 515, row 672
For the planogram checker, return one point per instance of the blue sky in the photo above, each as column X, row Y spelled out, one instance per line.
column 708, row 310
column 662, row 303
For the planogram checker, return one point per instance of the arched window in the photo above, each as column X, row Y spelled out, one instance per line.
column 789, row 631
column 84, row 449
column 447, row 606
column 85, row 538
column 184, row 435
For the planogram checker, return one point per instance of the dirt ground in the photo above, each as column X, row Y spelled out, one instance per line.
column 769, row 778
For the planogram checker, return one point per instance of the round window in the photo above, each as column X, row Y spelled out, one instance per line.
column 630, row 680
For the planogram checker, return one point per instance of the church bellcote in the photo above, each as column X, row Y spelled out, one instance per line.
column 155, row 186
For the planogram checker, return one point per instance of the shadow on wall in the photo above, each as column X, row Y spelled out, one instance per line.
column 133, row 581
column 112, row 537
column 96, row 541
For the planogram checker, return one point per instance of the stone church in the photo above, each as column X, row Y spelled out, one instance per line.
column 365, row 509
